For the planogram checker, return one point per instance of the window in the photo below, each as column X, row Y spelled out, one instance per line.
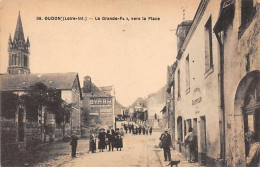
column 187, row 68
column 14, row 59
column 25, row 61
column 179, row 84
column 208, row 46
column 246, row 11
column 19, row 61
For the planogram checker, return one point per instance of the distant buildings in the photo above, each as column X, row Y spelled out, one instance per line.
column 138, row 111
column 214, row 85
column 155, row 104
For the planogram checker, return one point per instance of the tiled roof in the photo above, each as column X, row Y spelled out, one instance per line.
column 106, row 88
column 97, row 92
column 24, row 81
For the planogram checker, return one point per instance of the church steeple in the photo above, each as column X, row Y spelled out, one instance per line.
column 18, row 51
column 19, row 29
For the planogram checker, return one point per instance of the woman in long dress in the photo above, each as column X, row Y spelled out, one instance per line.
column 113, row 139
column 121, row 139
column 102, row 140
column 92, row 142
column 117, row 139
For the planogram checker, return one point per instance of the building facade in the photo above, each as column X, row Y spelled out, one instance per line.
column 216, row 81
column 98, row 106
column 238, row 43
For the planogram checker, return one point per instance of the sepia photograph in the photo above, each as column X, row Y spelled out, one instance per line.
column 129, row 83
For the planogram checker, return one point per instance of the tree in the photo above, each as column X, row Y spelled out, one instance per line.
column 62, row 115
column 35, row 100
column 9, row 103
column 41, row 97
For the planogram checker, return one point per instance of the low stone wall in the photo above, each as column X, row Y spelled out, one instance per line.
column 8, row 132
column 32, row 133
column 9, row 146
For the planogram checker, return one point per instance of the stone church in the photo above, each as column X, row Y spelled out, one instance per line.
column 17, row 132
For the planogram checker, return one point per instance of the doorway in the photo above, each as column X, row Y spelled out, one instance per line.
column 196, row 139
column 251, row 111
column 180, row 133
column 257, row 123
column 203, row 141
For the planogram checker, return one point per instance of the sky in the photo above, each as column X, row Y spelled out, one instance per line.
column 130, row 55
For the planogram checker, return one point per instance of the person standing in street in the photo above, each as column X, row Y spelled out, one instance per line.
column 102, row 140
column 151, row 130
column 143, row 130
column 253, row 158
column 92, row 142
column 121, row 138
column 112, row 139
column 130, row 128
column 73, row 143
column 140, row 130
column 109, row 143
column 117, row 139
column 190, row 140
column 166, row 143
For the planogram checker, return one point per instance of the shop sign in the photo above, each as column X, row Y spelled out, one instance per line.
column 100, row 101
column 196, row 99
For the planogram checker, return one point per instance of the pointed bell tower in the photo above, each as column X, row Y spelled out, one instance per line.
column 18, row 50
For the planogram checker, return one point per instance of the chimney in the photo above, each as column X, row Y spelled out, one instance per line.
column 181, row 32
column 87, row 84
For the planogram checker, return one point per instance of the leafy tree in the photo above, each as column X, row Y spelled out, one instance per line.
column 63, row 113
column 39, row 96
column 31, row 107
column 34, row 100
column 9, row 103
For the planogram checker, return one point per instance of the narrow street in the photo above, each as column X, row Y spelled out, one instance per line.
column 138, row 151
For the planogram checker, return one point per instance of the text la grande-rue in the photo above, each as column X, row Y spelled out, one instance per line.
column 127, row 18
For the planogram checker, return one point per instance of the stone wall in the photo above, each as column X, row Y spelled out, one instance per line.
column 32, row 134
column 198, row 90
column 238, row 67
column 8, row 140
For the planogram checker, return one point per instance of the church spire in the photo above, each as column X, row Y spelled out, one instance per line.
column 19, row 29
column 19, row 51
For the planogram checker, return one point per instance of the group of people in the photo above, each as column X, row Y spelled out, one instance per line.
column 135, row 130
column 190, row 142
column 107, row 140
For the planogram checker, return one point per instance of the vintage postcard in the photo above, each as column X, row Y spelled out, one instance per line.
column 130, row 83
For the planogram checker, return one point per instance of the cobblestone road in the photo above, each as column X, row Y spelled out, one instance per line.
column 138, row 151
